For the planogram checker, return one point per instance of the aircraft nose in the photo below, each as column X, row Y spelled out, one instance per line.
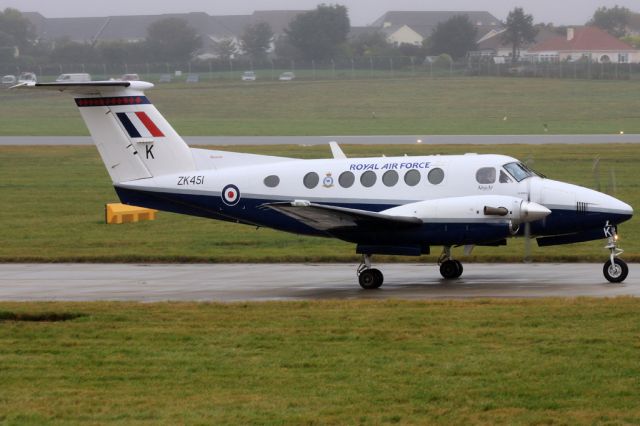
column 533, row 211
column 622, row 208
column 610, row 207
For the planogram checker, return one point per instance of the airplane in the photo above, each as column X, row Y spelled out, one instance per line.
column 389, row 205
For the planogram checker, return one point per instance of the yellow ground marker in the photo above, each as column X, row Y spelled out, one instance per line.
column 116, row 213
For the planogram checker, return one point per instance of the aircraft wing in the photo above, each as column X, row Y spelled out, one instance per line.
column 326, row 218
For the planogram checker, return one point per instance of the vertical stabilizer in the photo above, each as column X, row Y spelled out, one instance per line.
column 133, row 138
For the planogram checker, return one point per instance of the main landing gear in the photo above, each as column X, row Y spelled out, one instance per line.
column 450, row 269
column 615, row 270
column 371, row 278
column 368, row 277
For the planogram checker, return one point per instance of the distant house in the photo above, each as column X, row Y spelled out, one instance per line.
column 403, row 35
column 133, row 28
column 110, row 28
column 233, row 26
column 584, row 43
column 492, row 44
column 414, row 27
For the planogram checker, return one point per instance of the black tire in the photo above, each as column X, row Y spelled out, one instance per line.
column 460, row 268
column 615, row 273
column 450, row 269
column 370, row 279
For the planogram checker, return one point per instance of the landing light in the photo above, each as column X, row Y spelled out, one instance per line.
column 419, row 141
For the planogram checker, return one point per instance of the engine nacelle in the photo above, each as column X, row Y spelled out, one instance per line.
column 475, row 208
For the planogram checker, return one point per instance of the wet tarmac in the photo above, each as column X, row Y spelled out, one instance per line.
column 262, row 282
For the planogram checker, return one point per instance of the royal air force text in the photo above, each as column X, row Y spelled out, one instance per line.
column 389, row 166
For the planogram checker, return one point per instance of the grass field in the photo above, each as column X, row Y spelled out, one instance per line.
column 53, row 210
column 337, row 362
column 419, row 106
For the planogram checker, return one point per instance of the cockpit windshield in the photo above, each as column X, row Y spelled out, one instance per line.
column 519, row 171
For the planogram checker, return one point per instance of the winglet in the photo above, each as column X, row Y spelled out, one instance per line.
column 336, row 151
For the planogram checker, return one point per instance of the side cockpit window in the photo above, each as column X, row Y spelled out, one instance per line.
column 504, row 178
column 486, row 175
column 518, row 170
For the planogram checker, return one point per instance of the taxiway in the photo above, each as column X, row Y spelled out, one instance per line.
column 262, row 282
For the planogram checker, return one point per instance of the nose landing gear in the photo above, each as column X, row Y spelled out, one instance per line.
column 615, row 270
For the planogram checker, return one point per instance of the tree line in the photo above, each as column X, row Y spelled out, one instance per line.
column 321, row 34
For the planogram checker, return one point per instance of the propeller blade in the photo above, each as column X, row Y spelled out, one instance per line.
column 527, row 243
column 613, row 185
column 596, row 172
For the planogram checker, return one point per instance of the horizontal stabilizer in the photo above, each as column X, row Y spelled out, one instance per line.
column 86, row 87
column 325, row 218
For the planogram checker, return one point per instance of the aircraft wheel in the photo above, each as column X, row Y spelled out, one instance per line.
column 460, row 268
column 370, row 279
column 616, row 272
column 451, row 269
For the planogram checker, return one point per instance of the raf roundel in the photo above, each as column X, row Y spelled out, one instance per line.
column 230, row 195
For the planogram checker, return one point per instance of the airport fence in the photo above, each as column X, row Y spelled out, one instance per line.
column 346, row 68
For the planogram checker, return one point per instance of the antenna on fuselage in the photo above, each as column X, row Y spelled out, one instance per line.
column 337, row 151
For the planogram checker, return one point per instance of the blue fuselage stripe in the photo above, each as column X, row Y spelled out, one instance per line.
column 249, row 211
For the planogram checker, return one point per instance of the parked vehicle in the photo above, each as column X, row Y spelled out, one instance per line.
column 287, row 76
column 130, row 77
column 522, row 70
column 248, row 76
column 73, row 78
column 27, row 77
column 9, row 79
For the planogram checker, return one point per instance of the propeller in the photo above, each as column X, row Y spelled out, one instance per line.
column 527, row 243
column 596, row 172
column 611, row 187
column 527, row 226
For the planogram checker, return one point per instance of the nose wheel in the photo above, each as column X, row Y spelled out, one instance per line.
column 369, row 278
column 615, row 270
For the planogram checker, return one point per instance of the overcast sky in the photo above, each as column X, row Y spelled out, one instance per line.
column 362, row 12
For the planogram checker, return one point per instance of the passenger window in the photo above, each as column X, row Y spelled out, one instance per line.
column 435, row 176
column 412, row 177
column 486, row 175
column 346, row 179
column 311, row 180
column 368, row 179
column 504, row 178
column 272, row 181
column 390, row 178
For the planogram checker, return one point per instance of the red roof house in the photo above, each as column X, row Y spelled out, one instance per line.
column 584, row 43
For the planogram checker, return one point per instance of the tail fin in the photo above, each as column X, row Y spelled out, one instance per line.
column 133, row 138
